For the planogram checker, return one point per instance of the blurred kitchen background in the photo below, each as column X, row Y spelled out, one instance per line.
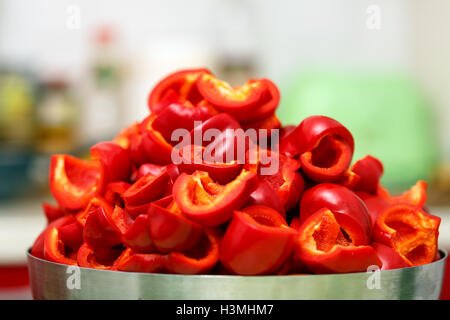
column 75, row 72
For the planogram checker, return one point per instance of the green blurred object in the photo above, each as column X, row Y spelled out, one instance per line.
column 387, row 114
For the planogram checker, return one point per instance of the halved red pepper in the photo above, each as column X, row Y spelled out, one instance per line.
column 389, row 257
column 54, row 248
column 198, row 260
column 170, row 230
column 137, row 237
column 410, row 231
column 146, row 189
column 193, row 160
column 350, row 211
column 228, row 99
column 325, row 147
column 416, row 195
column 73, row 182
column 115, row 191
column 176, row 87
column 369, row 170
column 140, row 262
column 257, row 241
column 325, row 248
column 209, row 203
column 97, row 258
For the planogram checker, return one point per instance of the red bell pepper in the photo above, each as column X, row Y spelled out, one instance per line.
column 410, row 231
column 349, row 179
column 140, row 262
column 369, row 169
column 115, row 161
column 52, row 212
column 375, row 204
column 416, row 195
column 97, row 258
column 228, row 99
column 37, row 249
column 287, row 182
column 325, row 147
column 265, row 195
column 193, row 160
column 270, row 123
column 389, row 257
column 149, row 168
column 137, row 237
column 71, row 234
column 93, row 205
column 115, row 191
column 73, row 182
column 325, row 248
column 146, row 189
column 170, row 230
column 350, row 211
column 176, row 87
column 257, row 241
column 101, row 230
column 177, row 116
column 198, row 260
column 125, row 136
column 54, row 248
column 209, row 203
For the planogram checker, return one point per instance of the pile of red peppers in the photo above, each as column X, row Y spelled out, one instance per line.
column 131, row 207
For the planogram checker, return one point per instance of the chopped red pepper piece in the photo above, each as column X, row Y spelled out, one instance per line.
column 369, row 170
column 150, row 168
column 140, row 262
column 125, row 136
column 101, row 230
column 71, row 234
column 325, row 247
column 73, row 182
column 98, row 258
column 115, row 161
column 93, row 205
column 115, row 191
column 146, row 189
column 265, row 195
column 416, row 195
column 409, row 231
column 193, row 160
column 389, row 257
column 54, row 248
column 209, row 203
column 199, row 259
column 170, row 230
column 176, row 87
column 350, row 211
column 137, row 237
column 52, row 212
column 257, row 241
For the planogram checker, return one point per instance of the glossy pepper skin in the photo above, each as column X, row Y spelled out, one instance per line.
column 97, row 258
column 101, row 230
column 73, row 182
column 140, row 262
column 170, row 230
column 193, row 160
column 349, row 209
column 265, row 195
column 148, row 188
column 369, row 170
column 137, row 237
column 52, row 212
column 325, row 147
column 257, row 241
column 324, row 248
column 208, row 203
column 389, row 257
column 410, row 231
column 54, row 248
column 179, row 87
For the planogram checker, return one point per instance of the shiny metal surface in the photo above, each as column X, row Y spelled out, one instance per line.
column 55, row 281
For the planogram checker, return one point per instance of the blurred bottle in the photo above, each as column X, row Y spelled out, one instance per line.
column 101, row 116
column 17, row 98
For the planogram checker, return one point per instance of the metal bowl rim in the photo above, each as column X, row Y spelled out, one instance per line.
column 443, row 253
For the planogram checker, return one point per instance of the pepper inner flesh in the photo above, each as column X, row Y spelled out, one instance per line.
column 79, row 176
column 327, row 233
column 329, row 152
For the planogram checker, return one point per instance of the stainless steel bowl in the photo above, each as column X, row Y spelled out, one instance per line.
column 56, row 281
